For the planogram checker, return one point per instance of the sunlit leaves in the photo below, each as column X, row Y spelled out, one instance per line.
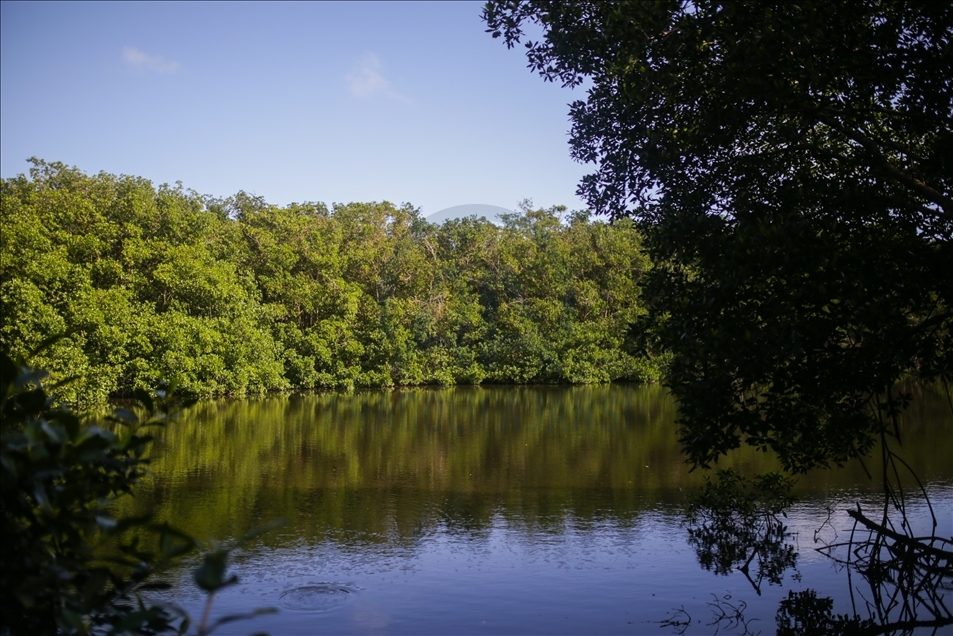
column 237, row 296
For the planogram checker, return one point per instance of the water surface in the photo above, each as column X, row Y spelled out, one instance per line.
column 489, row 510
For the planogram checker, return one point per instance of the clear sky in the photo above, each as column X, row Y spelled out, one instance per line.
column 333, row 102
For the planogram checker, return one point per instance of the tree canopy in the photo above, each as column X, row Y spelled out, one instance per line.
column 237, row 296
column 790, row 165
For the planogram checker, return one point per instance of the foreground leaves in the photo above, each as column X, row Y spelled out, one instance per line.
column 69, row 565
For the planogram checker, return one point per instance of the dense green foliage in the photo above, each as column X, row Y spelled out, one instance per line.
column 791, row 166
column 237, row 296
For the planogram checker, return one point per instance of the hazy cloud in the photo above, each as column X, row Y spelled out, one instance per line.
column 367, row 80
column 143, row 61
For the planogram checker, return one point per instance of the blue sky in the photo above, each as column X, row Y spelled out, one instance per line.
column 333, row 102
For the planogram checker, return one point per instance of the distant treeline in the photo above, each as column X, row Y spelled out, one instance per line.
column 236, row 296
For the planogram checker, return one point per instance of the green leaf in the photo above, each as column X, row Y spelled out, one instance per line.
column 126, row 416
column 210, row 575
column 145, row 398
column 39, row 494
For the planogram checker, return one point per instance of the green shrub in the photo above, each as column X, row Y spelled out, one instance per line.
column 70, row 566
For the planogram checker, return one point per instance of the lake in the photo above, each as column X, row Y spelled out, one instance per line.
column 495, row 510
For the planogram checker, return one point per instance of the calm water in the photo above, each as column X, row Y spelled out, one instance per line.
column 489, row 510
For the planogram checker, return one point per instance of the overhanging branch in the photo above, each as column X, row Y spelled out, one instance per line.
column 871, row 146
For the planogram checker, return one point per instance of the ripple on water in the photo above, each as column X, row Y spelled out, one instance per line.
column 317, row 597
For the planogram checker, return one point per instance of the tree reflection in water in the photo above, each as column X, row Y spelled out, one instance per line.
column 727, row 615
column 513, row 486
column 735, row 522
column 907, row 575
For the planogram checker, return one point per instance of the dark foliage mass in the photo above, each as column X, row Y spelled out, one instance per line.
column 70, row 564
column 236, row 296
column 790, row 165
column 57, row 475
